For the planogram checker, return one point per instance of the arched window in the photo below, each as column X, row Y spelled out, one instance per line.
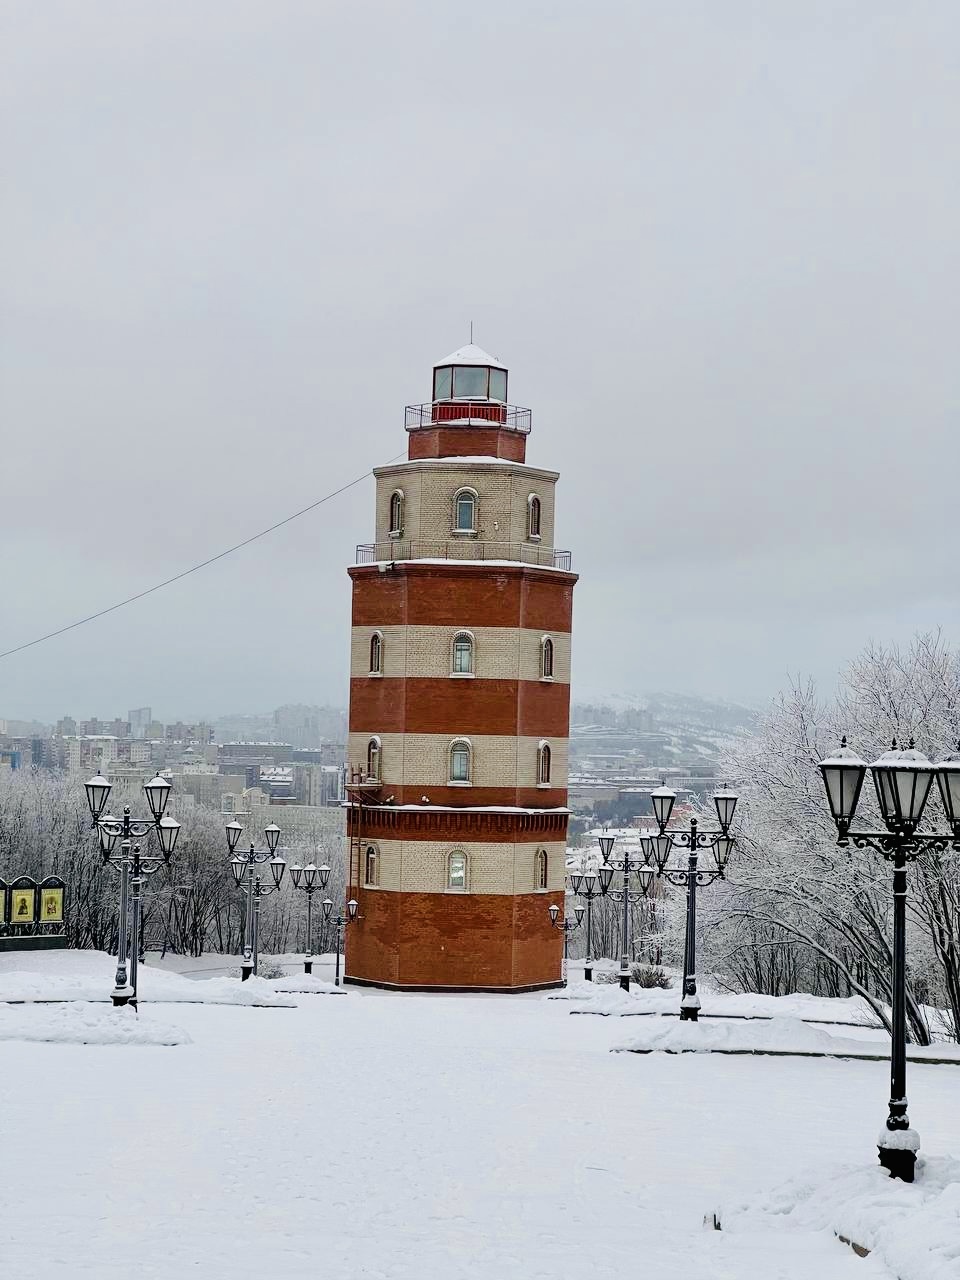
column 460, row 760
column 546, row 658
column 533, row 517
column 543, row 764
column 396, row 513
column 463, row 654
column 541, row 868
column 371, row 866
column 373, row 759
column 376, row 654
column 457, row 871
column 465, row 511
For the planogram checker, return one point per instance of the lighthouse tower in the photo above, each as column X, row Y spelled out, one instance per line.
column 460, row 703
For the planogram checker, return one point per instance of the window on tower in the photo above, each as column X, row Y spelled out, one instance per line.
column 460, row 760
column 546, row 658
column 371, row 866
column 443, row 383
column 465, row 511
column 498, row 385
column 376, row 654
column 463, row 654
column 374, row 761
column 470, row 383
column 543, row 764
column 533, row 518
column 541, row 868
column 457, row 871
column 396, row 513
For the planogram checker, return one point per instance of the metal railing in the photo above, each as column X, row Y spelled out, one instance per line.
column 463, row 549
column 463, row 413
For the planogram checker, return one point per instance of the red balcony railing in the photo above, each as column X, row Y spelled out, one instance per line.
column 467, row 413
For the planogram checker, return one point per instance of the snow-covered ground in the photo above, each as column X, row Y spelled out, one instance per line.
column 445, row 1138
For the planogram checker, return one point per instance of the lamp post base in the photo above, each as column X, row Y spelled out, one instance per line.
column 898, row 1163
column 245, row 971
column 587, row 973
column 121, row 996
column 689, row 1015
column 308, row 966
column 624, row 981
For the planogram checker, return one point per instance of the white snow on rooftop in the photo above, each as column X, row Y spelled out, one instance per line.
column 471, row 354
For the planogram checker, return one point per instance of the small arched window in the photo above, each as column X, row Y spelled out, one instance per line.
column 541, row 868
column 371, row 866
column 460, row 760
column 396, row 513
column 533, row 518
column 543, row 764
column 465, row 511
column 457, row 871
column 546, row 658
column 376, row 654
column 463, row 654
column 373, row 759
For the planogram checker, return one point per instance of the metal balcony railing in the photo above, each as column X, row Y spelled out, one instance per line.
column 463, row 549
column 462, row 413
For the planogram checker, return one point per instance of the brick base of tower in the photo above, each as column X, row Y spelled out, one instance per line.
column 477, row 942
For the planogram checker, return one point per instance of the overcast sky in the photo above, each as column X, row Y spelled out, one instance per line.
column 716, row 244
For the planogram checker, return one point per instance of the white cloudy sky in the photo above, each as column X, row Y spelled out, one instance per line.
column 715, row 243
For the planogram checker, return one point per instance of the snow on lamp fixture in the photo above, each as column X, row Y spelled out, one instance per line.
column 948, row 783
column 725, row 803
column 843, row 775
column 902, row 779
column 98, row 790
column 662, row 801
column 272, row 836
column 234, row 832
column 157, row 791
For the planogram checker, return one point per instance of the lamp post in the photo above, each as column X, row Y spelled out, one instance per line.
column 587, row 885
column 566, row 927
column 247, row 877
column 902, row 780
column 626, row 866
column 352, row 908
column 310, row 880
column 691, row 877
column 133, row 866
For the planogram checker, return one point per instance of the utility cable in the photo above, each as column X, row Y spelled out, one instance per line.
column 101, row 613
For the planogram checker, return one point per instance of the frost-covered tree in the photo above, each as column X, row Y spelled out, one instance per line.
column 800, row 913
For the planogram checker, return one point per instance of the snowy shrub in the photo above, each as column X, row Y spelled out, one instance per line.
column 270, row 969
column 641, row 975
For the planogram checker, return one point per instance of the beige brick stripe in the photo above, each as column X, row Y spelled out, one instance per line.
column 420, row 866
column 500, row 653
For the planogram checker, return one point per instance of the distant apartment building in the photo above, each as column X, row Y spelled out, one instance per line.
column 140, row 720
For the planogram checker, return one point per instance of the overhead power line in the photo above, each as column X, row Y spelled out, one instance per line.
column 101, row 613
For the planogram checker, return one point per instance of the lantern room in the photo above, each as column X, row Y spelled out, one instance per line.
column 470, row 374
column 468, row 413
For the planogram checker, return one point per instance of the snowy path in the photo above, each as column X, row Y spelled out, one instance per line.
column 424, row 1138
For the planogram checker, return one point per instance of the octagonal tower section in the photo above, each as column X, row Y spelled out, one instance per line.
column 459, row 703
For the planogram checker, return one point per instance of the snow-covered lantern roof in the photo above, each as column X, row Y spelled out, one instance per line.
column 903, row 780
column 470, row 374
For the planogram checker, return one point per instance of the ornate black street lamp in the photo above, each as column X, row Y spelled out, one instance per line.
column 902, row 780
column 134, row 867
column 691, row 877
column 353, row 907
column 566, row 927
column 309, row 880
column 587, row 885
column 248, row 879
column 626, row 865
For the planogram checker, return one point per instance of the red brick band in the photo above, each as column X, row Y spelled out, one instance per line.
column 524, row 708
column 467, row 442
column 413, row 593
column 454, row 940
